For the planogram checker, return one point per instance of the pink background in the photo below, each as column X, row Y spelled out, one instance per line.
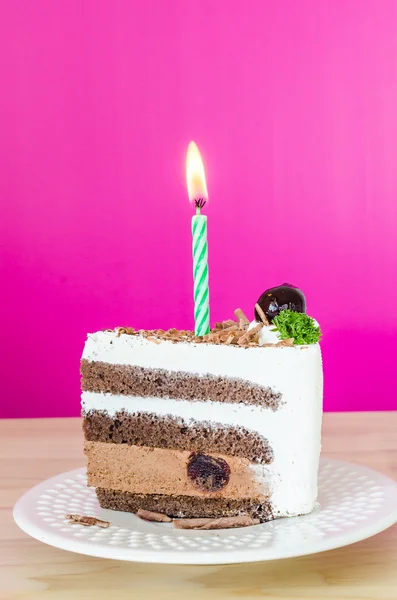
column 294, row 106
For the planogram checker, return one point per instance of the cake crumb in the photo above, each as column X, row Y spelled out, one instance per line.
column 87, row 521
column 149, row 515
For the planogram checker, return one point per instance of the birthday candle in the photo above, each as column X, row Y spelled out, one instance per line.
column 197, row 191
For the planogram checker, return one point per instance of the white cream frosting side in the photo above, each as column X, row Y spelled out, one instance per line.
column 269, row 367
column 293, row 431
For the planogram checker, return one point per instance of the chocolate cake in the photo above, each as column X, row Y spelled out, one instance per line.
column 226, row 424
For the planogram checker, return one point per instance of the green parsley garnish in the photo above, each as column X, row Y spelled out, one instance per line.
column 301, row 327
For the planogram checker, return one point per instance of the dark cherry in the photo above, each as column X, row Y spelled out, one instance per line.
column 276, row 299
column 208, row 473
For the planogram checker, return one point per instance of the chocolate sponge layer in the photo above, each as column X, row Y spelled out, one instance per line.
column 184, row 506
column 129, row 380
column 149, row 429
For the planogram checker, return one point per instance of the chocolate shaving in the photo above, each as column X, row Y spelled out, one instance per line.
column 234, row 327
column 87, row 521
column 221, row 523
column 126, row 330
column 229, row 333
column 252, row 332
column 261, row 314
column 157, row 517
column 240, row 316
column 225, row 324
column 287, row 342
column 152, row 339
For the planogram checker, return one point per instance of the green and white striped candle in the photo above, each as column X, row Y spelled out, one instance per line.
column 197, row 190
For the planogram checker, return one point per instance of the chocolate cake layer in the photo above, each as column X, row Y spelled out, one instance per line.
column 149, row 429
column 129, row 380
column 184, row 506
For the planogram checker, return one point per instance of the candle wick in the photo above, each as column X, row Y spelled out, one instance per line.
column 199, row 203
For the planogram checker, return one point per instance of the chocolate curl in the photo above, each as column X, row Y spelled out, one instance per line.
column 229, row 329
column 156, row 517
column 250, row 335
column 241, row 318
column 287, row 342
column 261, row 314
column 87, row 521
column 225, row 324
column 221, row 523
column 125, row 330
column 228, row 332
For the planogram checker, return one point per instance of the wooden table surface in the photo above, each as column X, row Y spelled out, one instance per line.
column 33, row 450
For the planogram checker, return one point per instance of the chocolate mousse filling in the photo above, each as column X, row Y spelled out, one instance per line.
column 150, row 429
column 130, row 380
column 143, row 470
column 185, row 506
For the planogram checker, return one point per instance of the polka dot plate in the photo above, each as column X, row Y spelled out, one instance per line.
column 354, row 503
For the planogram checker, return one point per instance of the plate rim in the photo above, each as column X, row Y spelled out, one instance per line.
column 193, row 557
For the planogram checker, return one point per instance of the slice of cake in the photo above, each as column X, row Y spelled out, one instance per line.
column 228, row 424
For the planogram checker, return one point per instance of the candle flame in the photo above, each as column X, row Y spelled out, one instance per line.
column 195, row 175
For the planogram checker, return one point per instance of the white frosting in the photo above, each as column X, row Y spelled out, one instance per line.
column 267, row 366
column 293, row 431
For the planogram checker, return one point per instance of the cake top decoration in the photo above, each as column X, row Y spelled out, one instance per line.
column 239, row 332
column 279, row 298
column 280, row 321
column 299, row 326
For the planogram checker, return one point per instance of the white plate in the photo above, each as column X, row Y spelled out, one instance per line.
column 355, row 503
